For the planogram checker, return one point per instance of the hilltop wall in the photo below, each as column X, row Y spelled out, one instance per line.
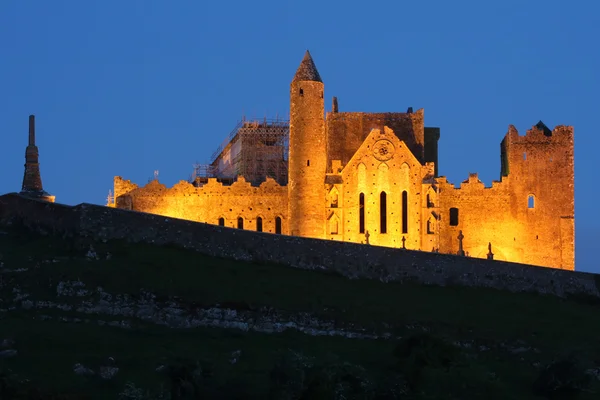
column 211, row 203
column 485, row 215
column 348, row 259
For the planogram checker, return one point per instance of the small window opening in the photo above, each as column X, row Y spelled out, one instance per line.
column 301, row 92
column 334, row 200
column 454, row 216
column 240, row 223
column 221, row 221
column 278, row 225
column 259, row 227
column 361, row 213
column 430, row 226
column 334, row 226
column 308, row 163
column 530, row 201
column 383, row 212
column 524, row 156
column 405, row 212
column 430, row 203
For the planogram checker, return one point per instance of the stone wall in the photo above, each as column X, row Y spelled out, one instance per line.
column 347, row 259
column 485, row 215
column 346, row 131
column 528, row 216
column 209, row 203
column 541, row 166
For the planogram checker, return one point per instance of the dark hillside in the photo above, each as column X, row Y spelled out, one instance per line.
column 232, row 329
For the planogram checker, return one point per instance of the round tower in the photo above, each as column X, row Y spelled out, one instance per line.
column 307, row 152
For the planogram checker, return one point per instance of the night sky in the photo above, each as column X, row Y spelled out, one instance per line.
column 130, row 87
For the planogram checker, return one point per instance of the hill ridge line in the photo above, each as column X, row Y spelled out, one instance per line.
column 354, row 261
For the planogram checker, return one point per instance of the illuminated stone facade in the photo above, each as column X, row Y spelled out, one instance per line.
column 373, row 178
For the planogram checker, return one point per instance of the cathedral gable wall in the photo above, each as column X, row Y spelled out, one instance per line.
column 383, row 164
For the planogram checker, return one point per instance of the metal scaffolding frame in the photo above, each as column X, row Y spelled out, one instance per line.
column 255, row 149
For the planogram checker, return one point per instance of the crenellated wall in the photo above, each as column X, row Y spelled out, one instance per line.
column 528, row 216
column 485, row 215
column 210, row 202
column 540, row 166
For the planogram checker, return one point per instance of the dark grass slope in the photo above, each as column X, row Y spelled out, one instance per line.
column 508, row 334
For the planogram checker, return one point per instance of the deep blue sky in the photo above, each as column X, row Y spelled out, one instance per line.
column 129, row 87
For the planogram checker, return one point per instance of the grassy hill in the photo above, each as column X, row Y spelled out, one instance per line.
column 177, row 322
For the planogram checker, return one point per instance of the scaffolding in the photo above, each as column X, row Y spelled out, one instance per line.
column 255, row 149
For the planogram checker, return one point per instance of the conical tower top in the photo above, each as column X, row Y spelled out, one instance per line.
column 307, row 71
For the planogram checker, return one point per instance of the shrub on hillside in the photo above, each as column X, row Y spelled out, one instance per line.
column 420, row 351
column 14, row 388
column 296, row 377
column 562, row 379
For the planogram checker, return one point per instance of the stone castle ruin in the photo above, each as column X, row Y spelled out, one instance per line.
column 373, row 178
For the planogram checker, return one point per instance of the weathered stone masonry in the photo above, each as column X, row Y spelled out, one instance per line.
column 374, row 178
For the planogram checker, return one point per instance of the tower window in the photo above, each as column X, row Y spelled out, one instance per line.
column 278, row 225
column 405, row 212
column 308, row 163
column 301, row 92
column 361, row 213
column 240, row 223
column 383, row 212
column 221, row 221
column 524, row 156
column 454, row 216
column 531, row 201
column 259, row 227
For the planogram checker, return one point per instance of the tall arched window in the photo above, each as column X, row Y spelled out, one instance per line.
column 404, row 212
column 221, row 221
column 259, row 224
column 278, row 225
column 240, row 223
column 383, row 212
column 530, row 201
column 361, row 213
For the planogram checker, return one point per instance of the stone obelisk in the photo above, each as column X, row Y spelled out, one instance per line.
column 32, row 179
